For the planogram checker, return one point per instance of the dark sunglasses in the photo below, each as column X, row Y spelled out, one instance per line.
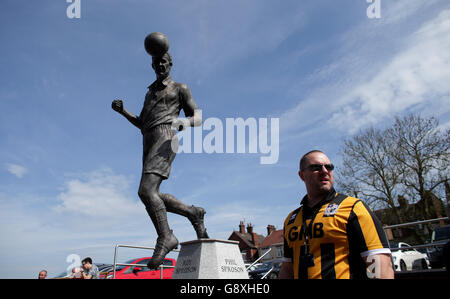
column 318, row 167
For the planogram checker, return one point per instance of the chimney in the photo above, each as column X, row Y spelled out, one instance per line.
column 255, row 239
column 242, row 227
column 270, row 229
column 253, row 234
column 250, row 228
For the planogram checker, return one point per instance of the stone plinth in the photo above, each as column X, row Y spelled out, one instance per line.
column 210, row 259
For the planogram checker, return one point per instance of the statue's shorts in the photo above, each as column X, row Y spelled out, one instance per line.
column 158, row 153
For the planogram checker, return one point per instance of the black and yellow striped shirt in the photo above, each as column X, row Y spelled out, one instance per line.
column 343, row 231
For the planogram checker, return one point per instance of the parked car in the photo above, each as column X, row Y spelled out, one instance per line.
column 272, row 266
column 254, row 267
column 408, row 258
column 440, row 236
column 104, row 269
column 142, row 272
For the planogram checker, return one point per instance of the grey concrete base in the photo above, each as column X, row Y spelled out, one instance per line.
column 210, row 259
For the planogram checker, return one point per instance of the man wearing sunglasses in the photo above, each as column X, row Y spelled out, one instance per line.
column 332, row 235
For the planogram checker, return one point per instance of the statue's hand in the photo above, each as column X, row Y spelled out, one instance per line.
column 117, row 105
column 180, row 124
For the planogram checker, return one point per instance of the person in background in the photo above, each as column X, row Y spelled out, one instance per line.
column 77, row 273
column 42, row 274
column 90, row 270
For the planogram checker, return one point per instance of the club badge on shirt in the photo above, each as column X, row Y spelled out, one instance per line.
column 292, row 219
column 330, row 210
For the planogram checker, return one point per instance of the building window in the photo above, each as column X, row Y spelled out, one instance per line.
column 244, row 255
column 267, row 256
column 279, row 251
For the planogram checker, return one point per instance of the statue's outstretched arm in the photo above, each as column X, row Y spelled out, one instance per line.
column 117, row 105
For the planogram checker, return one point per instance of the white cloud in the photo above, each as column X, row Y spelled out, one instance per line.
column 415, row 78
column 100, row 194
column 400, row 10
column 366, row 86
column 17, row 170
column 94, row 212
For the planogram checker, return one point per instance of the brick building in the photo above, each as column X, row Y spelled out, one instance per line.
column 248, row 241
column 253, row 245
column 273, row 241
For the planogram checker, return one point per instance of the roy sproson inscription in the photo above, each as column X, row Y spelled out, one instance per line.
column 186, row 267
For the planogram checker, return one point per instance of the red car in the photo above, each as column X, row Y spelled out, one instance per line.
column 143, row 272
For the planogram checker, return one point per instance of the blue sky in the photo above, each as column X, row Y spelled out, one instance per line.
column 70, row 166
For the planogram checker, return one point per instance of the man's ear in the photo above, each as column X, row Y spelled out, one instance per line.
column 301, row 175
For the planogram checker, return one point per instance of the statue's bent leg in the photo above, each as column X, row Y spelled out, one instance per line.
column 194, row 214
column 148, row 192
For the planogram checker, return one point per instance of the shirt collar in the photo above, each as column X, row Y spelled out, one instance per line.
column 164, row 82
column 330, row 196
